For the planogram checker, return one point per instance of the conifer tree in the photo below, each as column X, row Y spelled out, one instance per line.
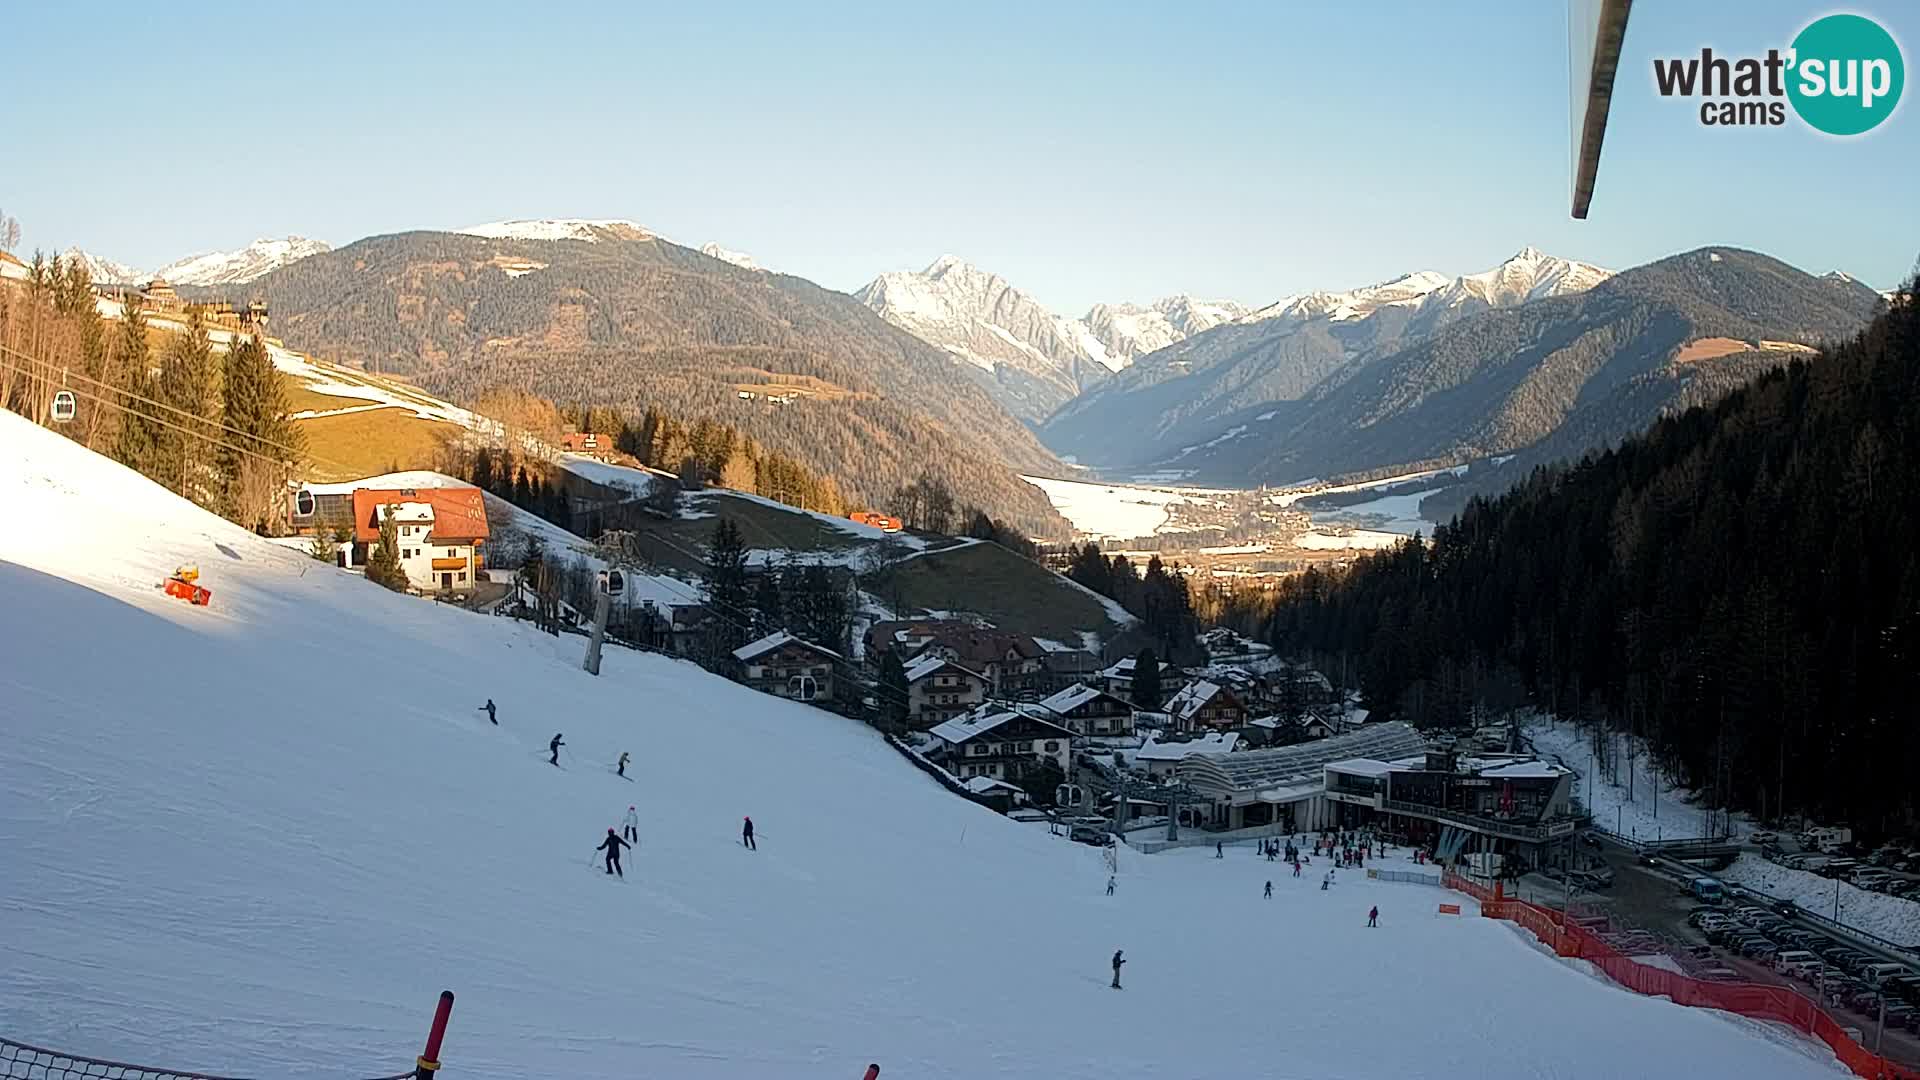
column 769, row 614
column 726, row 585
column 383, row 562
column 189, row 386
column 137, row 436
column 1146, row 680
column 254, row 411
column 893, row 691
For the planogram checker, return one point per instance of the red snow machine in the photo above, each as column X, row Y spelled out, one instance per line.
column 184, row 585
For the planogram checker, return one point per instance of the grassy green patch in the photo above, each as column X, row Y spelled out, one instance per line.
column 988, row 580
column 353, row 445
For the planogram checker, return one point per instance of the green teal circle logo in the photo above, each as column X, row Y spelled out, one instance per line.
column 1847, row 74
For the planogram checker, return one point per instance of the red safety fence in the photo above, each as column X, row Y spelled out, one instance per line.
column 1779, row 1004
column 19, row 1061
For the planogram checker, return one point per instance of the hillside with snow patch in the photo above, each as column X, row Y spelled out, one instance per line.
column 260, row 836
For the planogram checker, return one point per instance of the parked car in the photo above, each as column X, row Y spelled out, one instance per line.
column 1793, row 960
column 1719, row 973
column 1834, row 868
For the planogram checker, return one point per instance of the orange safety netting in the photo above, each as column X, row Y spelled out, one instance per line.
column 1779, row 1004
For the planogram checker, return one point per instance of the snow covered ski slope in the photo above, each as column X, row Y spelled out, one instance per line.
column 257, row 838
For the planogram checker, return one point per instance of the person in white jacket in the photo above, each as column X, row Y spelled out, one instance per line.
column 632, row 825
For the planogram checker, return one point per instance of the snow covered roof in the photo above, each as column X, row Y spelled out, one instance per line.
column 1303, row 764
column 927, row 665
column 1123, row 668
column 1212, row 745
column 981, row 785
column 981, row 721
column 1526, row 770
column 774, row 641
column 1073, row 697
column 1360, row 767
column 1193, row 697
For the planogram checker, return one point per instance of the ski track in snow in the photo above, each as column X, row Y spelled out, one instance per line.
column 259, row 838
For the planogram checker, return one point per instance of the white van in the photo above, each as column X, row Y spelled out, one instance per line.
column 1793, row 961
column 1874, row 973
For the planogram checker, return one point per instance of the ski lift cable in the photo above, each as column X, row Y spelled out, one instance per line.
column 185, row 430
column 143, row 399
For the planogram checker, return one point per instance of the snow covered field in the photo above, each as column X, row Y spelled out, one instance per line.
column 1115, row 510
column 1400, row 513
column 259, row 838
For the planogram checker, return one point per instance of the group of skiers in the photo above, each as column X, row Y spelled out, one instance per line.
column 628, row 836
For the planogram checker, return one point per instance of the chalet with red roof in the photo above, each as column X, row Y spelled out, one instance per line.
column 443, row 533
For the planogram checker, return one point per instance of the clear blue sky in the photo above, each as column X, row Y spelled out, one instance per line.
column 1086, row 151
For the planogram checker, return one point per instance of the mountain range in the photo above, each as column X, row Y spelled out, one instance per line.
column 607, row 313
column 1553, row 377
column 953, row 367
column 263, row 256
column 1032, row 360
column 1197, row 388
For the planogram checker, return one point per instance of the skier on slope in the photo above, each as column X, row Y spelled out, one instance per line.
column 1110, row 884
column 612, row 845
column 622, row 770
column 1269, row 890
column 489, row 710
column 1373, row 916
column 1117, row 961
column 1218, row 851
column 746, row 834
column 555, row 746
column 631, row 825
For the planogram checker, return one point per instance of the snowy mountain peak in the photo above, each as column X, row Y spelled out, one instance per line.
column 257, row 259
column 1529, row 275
column 105, row 271
column 1127, row 331
column 588, row 229
column 1355, row 303
column 728, row 255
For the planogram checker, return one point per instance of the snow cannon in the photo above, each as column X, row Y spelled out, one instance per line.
column 183, row 586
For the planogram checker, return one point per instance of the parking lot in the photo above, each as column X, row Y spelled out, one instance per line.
column 1645, row 899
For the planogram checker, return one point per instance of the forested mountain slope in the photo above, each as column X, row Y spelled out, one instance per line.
column 1741, row 585
column 1507, row 379
column 629, row 320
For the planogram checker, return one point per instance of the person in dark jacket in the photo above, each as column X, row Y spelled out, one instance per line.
column 612, row 845
column 623, row 763
column 1117, row 961
column 1373, row 916
column 555, row 746
column 746, row 834
column 489, row 707
column 1269, row 890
